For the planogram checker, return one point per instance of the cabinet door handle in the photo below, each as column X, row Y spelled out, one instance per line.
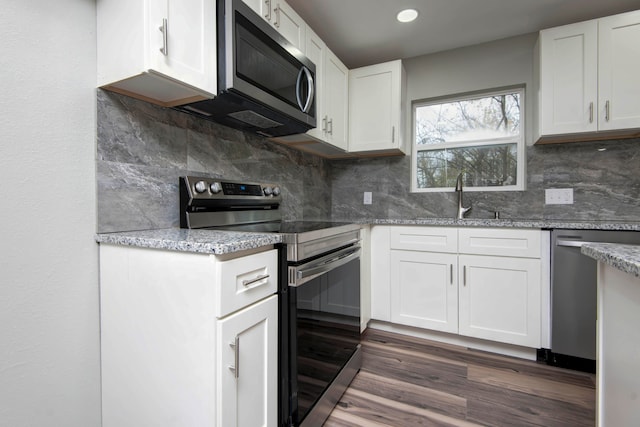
column 464, row 275
column 324, row 124
column 606, row 110
column 451, row 273
column 591, row 112
column 163, row 30
column 393, row 134
column 267, row 14
column 330, row 126
column 277, row 11
column 235, row 345
column 254, row 280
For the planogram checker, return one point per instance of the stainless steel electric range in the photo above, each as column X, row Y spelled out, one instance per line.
column 319, row 292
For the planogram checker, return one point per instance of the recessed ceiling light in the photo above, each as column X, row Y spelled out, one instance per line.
column 407, row 15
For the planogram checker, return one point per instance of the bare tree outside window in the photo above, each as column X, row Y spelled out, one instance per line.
column 480, row 136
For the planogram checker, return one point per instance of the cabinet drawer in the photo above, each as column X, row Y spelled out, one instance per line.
column 427, row 239
column 491, row 241
column 245, row 280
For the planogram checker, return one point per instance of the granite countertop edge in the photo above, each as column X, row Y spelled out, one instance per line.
column 510, row 223
column 184, row 240
column 224, row 242
column 621, row 256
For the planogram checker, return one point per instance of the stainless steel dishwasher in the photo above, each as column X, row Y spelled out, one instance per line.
column 573, row 296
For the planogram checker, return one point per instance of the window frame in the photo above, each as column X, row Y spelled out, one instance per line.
column 519, row 141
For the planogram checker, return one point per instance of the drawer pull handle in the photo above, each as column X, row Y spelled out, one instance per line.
column 254, row 280
column 236, row 357
column 163, row 29
column 267, row 13
column 277, row 10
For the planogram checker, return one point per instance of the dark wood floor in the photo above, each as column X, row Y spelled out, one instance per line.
column 406, row 381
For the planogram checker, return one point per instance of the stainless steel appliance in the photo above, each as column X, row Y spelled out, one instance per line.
column 573, row 296
column 319, row 295
column 265, row 84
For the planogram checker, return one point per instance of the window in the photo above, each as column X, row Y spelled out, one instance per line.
column 479, row 135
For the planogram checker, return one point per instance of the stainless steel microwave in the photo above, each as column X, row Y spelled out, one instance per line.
column 265, row 84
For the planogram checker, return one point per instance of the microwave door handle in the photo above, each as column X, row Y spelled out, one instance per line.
column 310, row 89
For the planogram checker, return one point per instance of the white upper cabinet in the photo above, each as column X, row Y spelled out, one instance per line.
column 336, row 97
column 289, row 23
column 569, row 78
column 587, row 78
column 279, row 14
column 162, row 51
column 315, row 50
column 332, row 80
column 376, row 105
column 619, row 62
column 261, row 7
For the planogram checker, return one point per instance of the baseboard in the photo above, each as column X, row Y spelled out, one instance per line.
column 474, row 343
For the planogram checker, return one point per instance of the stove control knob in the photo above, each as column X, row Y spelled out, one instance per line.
column 215, row 187
column 276, row 191
column 267, row 191
column 200, row 187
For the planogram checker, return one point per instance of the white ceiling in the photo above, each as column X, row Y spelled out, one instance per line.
column 364, row 32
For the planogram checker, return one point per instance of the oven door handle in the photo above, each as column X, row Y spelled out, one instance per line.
column 299, row 275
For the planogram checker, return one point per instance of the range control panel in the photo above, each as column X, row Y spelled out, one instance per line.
column 204, row 188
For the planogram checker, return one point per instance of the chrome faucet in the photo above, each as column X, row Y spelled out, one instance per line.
column 461, row 210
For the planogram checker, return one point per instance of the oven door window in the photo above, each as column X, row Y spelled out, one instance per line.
column 327, row 332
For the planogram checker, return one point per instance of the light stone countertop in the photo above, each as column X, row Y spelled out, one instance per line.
column 510, row 223
column 223, row 242
column 200, row 241
column 623, row 257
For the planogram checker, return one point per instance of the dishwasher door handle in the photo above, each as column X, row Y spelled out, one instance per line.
column 573, row 243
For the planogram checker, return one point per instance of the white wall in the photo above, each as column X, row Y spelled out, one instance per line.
column 496, row 64
column 49, row 321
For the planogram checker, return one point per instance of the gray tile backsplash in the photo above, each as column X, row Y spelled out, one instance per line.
column 143, row 149
column 606, row 186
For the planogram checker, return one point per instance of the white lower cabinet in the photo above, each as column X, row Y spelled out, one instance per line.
column 499, row 299
column 188, row 339
column 475, row 282
column 247, row 354
column 425, row 290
